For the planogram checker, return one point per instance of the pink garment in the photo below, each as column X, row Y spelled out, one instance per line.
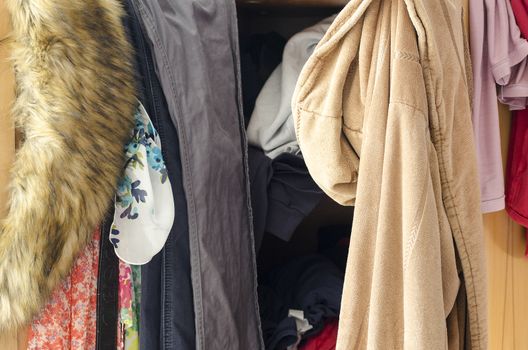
column 124, row 302
column 68, row 322
column 129, row 299
column 498, row 54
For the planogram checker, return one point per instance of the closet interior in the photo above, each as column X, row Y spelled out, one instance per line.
column 276, row 38
column 505, row 240
column 285, row 19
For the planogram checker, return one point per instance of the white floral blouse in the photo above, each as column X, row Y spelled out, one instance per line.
column 144, row 206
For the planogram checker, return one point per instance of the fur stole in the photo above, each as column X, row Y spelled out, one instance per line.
column 74, row 106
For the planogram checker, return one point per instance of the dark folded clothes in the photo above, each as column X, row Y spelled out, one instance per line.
column 312, row 284
column 282, row 193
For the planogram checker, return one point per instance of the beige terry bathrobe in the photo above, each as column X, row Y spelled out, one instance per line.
column 382, row 115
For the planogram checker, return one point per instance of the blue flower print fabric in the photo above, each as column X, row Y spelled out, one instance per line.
column 144, row 206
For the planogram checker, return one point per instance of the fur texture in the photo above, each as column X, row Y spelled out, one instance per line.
column 74, row 106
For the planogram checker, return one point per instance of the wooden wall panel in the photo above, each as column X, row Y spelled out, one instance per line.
column 507, row 272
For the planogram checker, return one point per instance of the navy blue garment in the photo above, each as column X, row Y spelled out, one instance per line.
column 292, row 195
column 167, row 312
column 312, row 284
column 282, row 193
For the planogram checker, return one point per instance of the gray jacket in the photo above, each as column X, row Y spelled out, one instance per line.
column 195, row 45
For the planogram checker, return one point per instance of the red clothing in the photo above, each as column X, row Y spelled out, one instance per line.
column 326, row 340
column 517, row 170
column 69, row 319
column 520, row 11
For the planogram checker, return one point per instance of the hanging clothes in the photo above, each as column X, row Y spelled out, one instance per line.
column 520, row 11
column 7, row 97
column 107, row 290
column 271, row 125
column 167, row 319
column 129, row 306
column 516, row 171
column 516, row 184
column 74, row 104
column 68, row 321
column 389, row 84
column 498, row 54
column 201, row 83
column 144, row 207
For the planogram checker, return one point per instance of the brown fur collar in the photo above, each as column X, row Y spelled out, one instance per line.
column 74, row 106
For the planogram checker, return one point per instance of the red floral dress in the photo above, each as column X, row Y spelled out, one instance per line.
column 68, row 322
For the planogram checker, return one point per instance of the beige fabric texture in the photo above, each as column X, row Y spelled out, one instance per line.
column 7, row 96
column 383, row 119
